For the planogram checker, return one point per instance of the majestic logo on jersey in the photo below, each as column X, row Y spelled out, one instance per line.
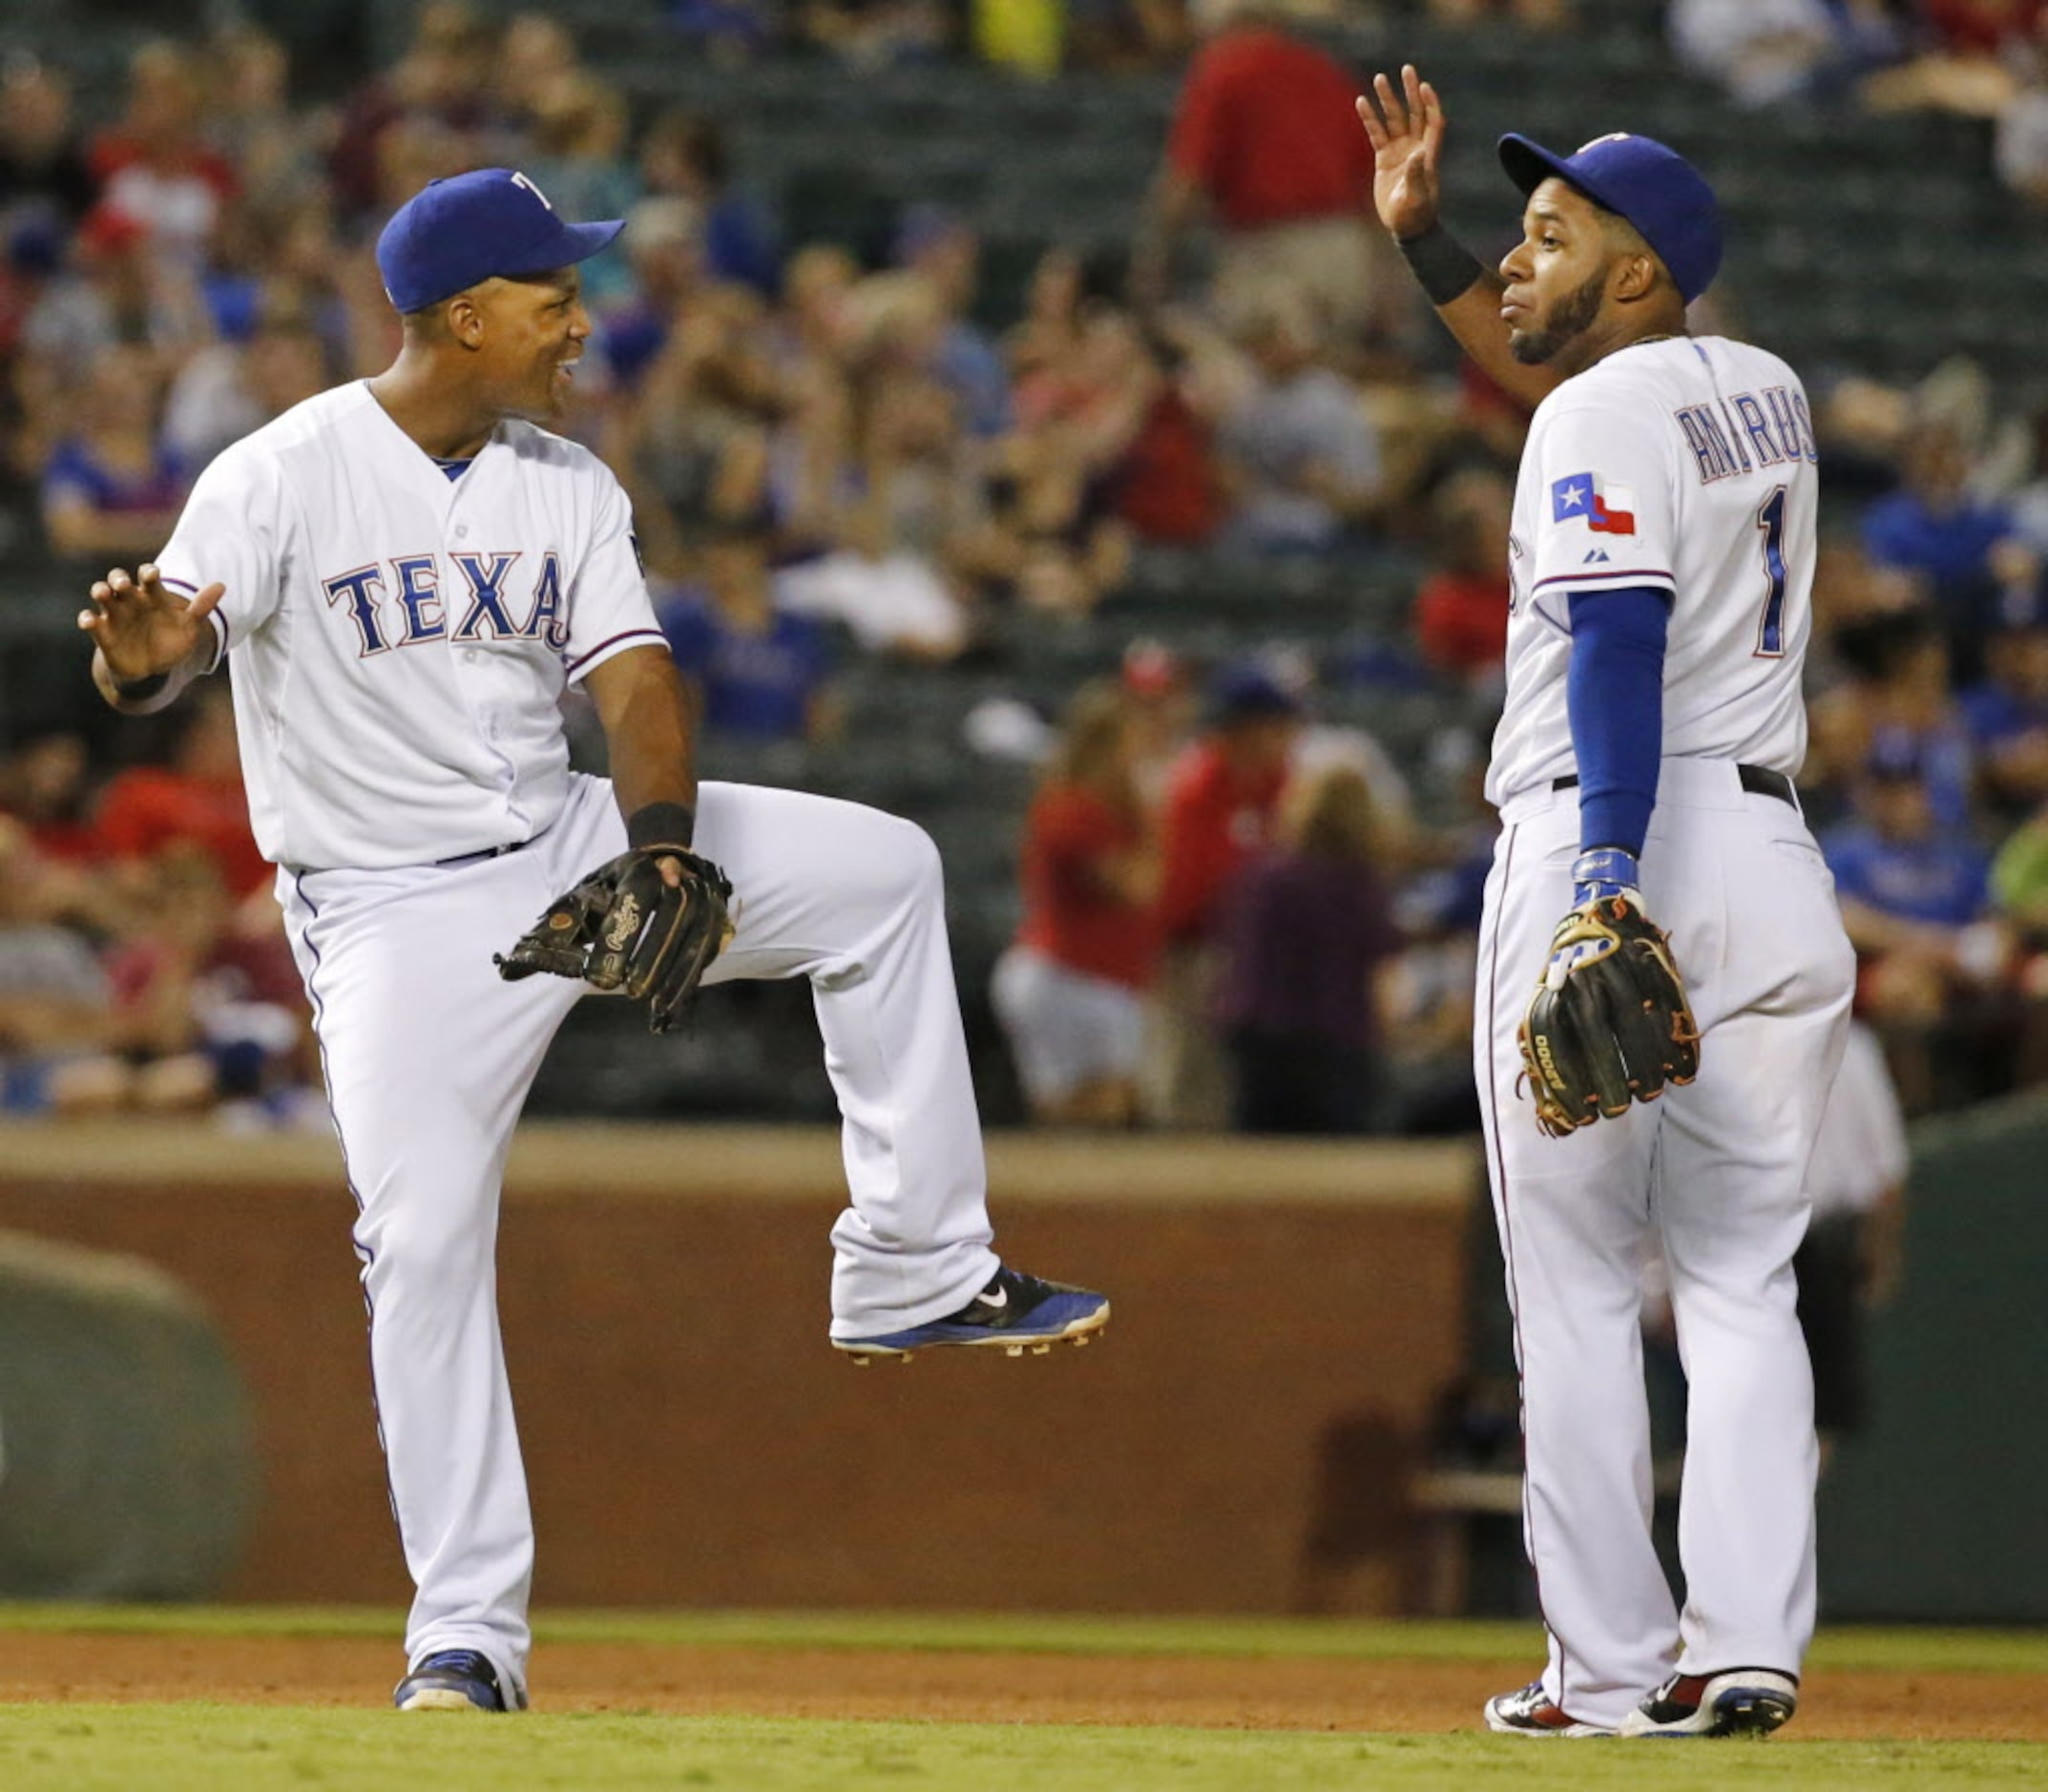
column 1606, row 510
column 1748, row 431
column 410, row 602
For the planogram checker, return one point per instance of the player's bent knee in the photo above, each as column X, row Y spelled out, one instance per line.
column 924, row 872
column 902, row 861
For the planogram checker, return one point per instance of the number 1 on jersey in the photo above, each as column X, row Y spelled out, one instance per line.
column 1771, row 519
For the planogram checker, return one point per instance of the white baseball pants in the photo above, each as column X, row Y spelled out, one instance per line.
column 429, row 1055
column 1715, row 1169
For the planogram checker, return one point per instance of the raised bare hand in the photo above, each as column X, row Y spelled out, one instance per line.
column 1406, row 130
column 140, row 628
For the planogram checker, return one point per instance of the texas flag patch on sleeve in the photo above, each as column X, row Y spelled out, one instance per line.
column 1606, row 510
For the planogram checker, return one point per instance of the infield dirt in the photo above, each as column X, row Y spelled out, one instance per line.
column 1377, row 1696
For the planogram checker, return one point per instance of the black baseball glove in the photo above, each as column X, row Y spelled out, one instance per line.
column 1609, row 1023
column 624, row 929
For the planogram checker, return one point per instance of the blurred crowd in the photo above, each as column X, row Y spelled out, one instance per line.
column 1037, row 37
column 1984, row 59
column 1235, row 913
column 143, row 965
column 1232, row 918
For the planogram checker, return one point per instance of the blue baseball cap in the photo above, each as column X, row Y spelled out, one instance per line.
column 493, row 222
column 1248, row 692
column 1645, row 181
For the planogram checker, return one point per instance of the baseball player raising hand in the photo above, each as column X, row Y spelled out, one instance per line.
column 1656, row 1062
column 405, row 573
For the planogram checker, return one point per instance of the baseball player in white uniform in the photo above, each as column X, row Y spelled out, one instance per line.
column 1662, row 553
column 404, row 574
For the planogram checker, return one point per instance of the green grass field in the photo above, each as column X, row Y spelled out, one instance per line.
column 210, row 1747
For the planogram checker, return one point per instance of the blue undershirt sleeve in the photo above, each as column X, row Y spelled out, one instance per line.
column 1615, row 696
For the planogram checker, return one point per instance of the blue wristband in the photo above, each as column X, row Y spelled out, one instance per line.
column 1603, row 871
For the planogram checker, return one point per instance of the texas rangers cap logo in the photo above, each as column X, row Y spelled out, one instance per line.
column 1606, row 510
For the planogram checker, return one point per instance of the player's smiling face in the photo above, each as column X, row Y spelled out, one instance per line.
column 1557, row 278
column 535, row 332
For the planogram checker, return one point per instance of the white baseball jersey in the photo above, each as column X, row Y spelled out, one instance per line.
column 1686, row 465
column 399, row 641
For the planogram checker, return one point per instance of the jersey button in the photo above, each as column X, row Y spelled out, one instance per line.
column 462, row 531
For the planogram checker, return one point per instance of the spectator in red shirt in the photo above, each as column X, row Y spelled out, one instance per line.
column 208, row 1014
column 58, row 1035
column 1461, row 612
column 1265, row 141
column 155, row 167
column 1164, row 699
column 1983, row 28
column 1068, row 992
column 43, row 787
column 1168, row 489
column 1220, row 802
column 196, row 801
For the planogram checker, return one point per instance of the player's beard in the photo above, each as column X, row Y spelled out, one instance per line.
column 1572, row 318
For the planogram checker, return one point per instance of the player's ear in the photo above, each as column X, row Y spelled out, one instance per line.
column 1635, row 277
column 464, row 320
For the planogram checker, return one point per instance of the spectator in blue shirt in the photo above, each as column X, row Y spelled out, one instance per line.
column 1895, row 858
column 1933, row 525
column 941, row 248
column 1899, row 702
column 112, row 489
column 1917, row 900
column 761, row 673
column 684, row 157
column 2007, row 713
column 1297, row 449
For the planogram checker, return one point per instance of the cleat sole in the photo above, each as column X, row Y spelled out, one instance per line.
column 1750, row 1714
column 440, row 1698
column 1083, row 1332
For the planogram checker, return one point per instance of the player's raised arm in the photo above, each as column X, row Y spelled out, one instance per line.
column 149, row 642
column 1406, row 128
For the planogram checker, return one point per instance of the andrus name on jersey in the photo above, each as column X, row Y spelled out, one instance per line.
column 403, row 602
column 1760, row 432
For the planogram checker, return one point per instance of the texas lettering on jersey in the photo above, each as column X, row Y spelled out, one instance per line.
column 406, row 601
column 401, row 643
